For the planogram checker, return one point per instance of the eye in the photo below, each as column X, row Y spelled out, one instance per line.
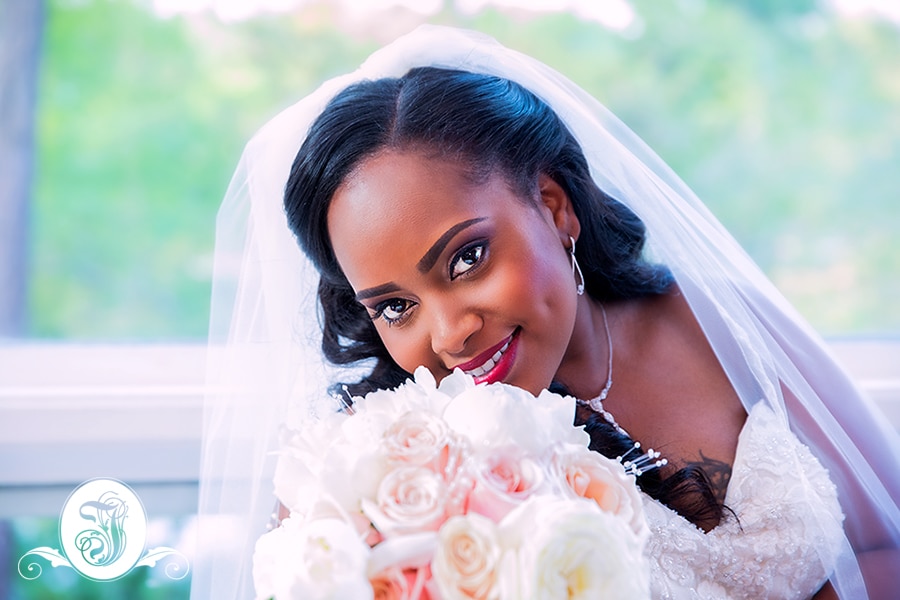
column 467, row 259
column 393, row 311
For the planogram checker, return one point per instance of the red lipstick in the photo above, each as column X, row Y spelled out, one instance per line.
column 495, row 363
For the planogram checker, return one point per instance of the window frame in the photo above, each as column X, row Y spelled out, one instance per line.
column 70, row 412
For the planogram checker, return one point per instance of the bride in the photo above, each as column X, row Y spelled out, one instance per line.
column 462, row 206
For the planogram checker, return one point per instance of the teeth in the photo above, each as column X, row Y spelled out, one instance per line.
column 489, row 363
column 485, row 367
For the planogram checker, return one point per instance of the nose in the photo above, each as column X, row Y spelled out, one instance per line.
column 452, row 327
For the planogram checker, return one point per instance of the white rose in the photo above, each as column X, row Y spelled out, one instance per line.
column 418, row 438
column 590, row 475
column 322, row 559
column 564, row 548
column 409, row 500
column 466, row 560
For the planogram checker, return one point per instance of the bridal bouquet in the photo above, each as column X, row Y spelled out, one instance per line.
column 453, row 491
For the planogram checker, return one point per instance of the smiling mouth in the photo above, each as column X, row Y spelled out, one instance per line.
column 490, row 363
column 496, row 366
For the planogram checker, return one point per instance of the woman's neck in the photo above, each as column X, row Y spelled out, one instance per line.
column 584, row 367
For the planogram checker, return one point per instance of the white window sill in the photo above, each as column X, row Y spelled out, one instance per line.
column 70, row 412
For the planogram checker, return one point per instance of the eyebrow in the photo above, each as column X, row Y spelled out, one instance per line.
column 427, row 262
column 378, row 290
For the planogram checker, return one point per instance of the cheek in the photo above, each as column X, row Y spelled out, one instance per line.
column 536, row 291
column 546, row 284
column 407, row 347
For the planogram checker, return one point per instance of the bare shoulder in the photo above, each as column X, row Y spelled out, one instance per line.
column 674, row 393
column 667, row 353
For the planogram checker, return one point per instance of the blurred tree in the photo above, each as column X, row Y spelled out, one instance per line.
column 20, row 34
column 783, row 116
column 772, row 10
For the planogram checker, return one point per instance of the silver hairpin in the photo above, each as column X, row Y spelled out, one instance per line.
column 637, row 463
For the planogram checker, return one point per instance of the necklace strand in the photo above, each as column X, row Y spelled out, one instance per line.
column 635, row 462
column 609, row 345
column 596, row 403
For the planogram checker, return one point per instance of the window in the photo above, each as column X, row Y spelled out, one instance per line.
column 128, row 118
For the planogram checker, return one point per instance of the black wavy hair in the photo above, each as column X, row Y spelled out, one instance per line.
column 491, row 125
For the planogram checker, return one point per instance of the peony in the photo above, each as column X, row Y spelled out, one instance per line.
column 309, row 561
column 504, row 415
column 570, row 549
column 590, row 475
column 301, row 459
column 351, row 470
column 419, row 393
column 466, row 560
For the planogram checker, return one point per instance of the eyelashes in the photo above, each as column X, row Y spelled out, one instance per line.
column 466, row 262
column 393, row 311
column 468, row 259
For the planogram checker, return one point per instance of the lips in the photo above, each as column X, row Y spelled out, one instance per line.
column 493, row 364
column 489, row 364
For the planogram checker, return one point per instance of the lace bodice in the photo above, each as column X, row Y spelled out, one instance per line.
column 784, row 540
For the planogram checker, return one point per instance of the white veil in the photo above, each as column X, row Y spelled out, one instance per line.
column 266, row 368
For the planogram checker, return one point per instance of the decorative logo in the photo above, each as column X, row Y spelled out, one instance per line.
column 103, row 534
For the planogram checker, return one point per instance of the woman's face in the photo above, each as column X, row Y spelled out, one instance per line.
column 457, row 274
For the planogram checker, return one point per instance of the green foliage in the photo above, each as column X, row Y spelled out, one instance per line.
column 783, row 117
column 141, row 124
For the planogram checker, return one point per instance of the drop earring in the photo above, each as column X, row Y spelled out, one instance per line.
column 576, row 268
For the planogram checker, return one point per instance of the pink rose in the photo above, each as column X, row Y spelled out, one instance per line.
column 401, row 584
column 390, row 584
column 503, row 479
column 591, row 475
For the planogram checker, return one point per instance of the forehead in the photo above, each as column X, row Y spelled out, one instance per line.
column 400, row 183
column 395, row 204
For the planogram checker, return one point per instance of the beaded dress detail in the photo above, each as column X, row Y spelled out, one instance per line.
column 788, row 525
column 782, row 538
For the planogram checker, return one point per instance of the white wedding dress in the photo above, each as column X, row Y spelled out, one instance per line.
column 786, row 525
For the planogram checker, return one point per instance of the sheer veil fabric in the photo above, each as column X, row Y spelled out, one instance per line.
column 266, row 369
